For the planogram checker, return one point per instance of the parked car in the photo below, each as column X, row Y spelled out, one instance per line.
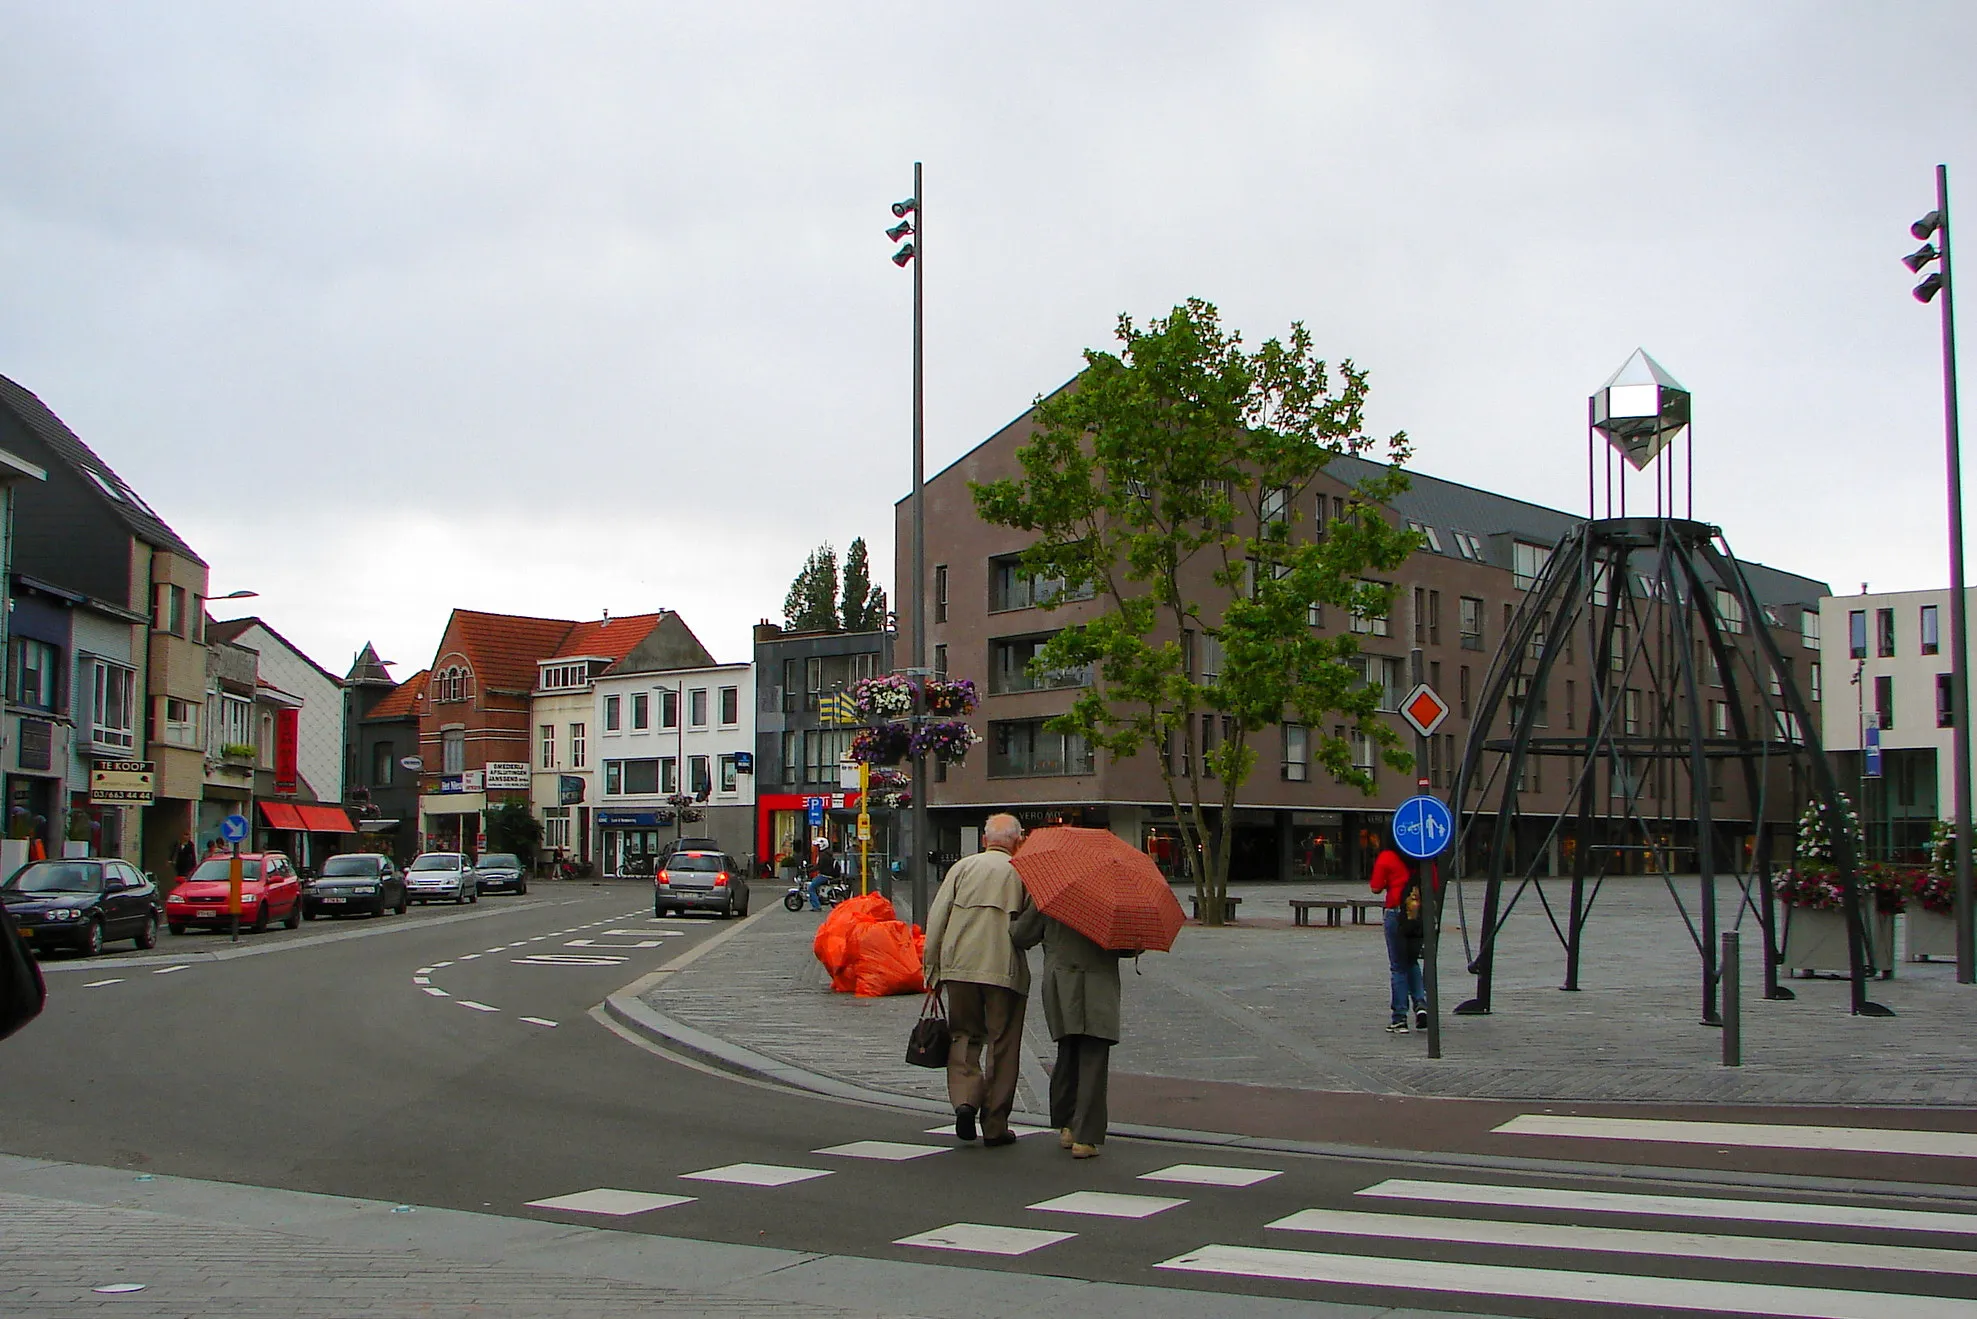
column 700, row 881
column 500, row 871
column 82, row 903
column 441, row 877
column 269, row 890
column 354, row 882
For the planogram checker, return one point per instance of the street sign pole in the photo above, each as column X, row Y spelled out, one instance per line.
column 233, row 893
column 1431, row 973
column 864, row 826
column 1422, row 829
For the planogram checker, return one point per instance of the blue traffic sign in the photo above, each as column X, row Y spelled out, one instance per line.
column 233, row 828
column 816, row 805
column 1422, row 827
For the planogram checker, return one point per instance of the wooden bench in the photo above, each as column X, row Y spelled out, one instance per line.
column 1229, row 906
column 1301, row 909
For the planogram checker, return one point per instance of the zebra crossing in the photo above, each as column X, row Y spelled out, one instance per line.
column 1490, row 1241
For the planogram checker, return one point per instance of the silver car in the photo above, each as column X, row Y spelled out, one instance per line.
column 441, row 877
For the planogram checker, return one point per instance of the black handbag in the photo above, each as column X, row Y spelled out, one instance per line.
column 927, row 1045
column 22, row 993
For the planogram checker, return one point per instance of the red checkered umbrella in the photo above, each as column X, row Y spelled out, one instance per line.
column 1101, row 886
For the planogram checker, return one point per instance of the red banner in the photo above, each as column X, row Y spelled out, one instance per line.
column 288, row 727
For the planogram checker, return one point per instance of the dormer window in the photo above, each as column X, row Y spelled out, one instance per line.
column 1427, row 533
column 564, row 677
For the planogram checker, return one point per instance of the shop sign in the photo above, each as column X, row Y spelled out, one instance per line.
column 37, row 744
column 569, row 789
column 288, row 737
column 473, row 781
column 630, row 819
column 450, row 783
column 507, row 775
column 131, row 781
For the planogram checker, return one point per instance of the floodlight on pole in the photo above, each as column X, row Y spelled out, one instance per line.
column 918, row 857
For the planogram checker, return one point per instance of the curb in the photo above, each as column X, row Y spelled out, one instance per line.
column 630, row 1011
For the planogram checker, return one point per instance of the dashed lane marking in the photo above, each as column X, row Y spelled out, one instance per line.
column 478, row 1007
column 1674, row 1206
column 470, row 957
column 985, row 1239
column 436, row 965
column 538, row 1021
column 422, row 980
column 424, row 971
column 888, row 1150
column 437, row 992
column 1204, row 1174
column 1108, row 1204
column 1856, row 1140
column 756, row 1174
column 604, row 1200
column 167, row 970
column 98, row 984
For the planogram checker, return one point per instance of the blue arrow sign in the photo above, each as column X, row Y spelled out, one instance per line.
column 1422, row 827
column 233, row 828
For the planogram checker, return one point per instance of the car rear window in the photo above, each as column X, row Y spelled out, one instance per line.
column 217, row 867
column 438, row 861
column 501, row 861
column 697, row 861
column 350, row 865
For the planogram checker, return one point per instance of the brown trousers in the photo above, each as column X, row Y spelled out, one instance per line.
column 984, row 1018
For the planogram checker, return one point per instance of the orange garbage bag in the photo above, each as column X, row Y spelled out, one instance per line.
column 885, row 959
column 831, row 942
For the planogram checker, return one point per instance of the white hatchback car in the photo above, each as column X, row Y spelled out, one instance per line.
column 441, row 877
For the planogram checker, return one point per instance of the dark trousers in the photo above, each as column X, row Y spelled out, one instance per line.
column 984, row 1019
column 1077, row 1087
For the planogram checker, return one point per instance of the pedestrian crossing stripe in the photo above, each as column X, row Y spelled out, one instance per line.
column 1108, row 1204
column 985, row 1239
column 756, row 1174
column 1205, row 1174
column 889, row 1151
column 605, row 1200
column 1657, row 1293
column 1629, row 1241
column 1853, row 1140
column 1676, row 1206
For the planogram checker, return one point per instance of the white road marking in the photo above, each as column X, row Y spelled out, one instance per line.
column 603, row 1200
column 436, row 965
column 478, row 1007
column 422, row 980
column 1859, row 1140
column 568, row 959
column 498, row 948
column 756, row 1174
column 423, row 971
column 592, row 943
column 640, row 934
column 1674, row 1206
column 470, row 957
column 888, row 1150
column 437, row 992
column 538, row 1021
column 98, row 984
column 1108, row 1204
column 1412, row 1273
column 167, row 970
column 985, row 1239
column 1205, row 1174
column 1628, row 1241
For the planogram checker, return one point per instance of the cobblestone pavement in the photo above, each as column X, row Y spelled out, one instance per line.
column 1266, row 1003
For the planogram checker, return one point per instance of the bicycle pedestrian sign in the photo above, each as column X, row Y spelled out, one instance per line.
column 1422, row 827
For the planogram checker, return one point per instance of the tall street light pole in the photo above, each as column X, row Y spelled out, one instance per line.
column 912, row 254
column 1937, row 224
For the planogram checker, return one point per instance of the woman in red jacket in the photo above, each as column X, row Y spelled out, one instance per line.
column 1391, row 874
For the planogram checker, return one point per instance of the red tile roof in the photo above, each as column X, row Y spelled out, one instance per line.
column 505, row 648
column 402, row 702
column 612, row 638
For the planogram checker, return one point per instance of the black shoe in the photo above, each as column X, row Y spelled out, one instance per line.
column 964, row 1122
column 1397, row 1027
column 1006, row 1138
column 1421, row 1020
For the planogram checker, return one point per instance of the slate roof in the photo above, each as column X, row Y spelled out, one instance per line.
column 402, row 702
column 65, row 444
column 367, row 667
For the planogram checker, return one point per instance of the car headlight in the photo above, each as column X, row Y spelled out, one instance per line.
column 62, row 914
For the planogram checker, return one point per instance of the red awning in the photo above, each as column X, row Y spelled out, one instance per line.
column 325, row 820
column 280, row 815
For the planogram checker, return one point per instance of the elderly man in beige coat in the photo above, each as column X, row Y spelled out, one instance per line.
column 986, row 977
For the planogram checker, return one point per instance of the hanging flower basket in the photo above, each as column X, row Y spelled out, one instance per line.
column 889, row 696
column 946, row 740
column 885, row 744
column 951, row 697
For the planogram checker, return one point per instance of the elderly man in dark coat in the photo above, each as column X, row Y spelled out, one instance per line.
column 1081, row 1007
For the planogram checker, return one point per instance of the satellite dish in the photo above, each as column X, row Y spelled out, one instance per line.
column 413, row 763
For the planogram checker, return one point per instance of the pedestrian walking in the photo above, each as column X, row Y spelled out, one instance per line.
column 1398, row 880
column 186, row 859
column 973, row 959
column 1081, row 1007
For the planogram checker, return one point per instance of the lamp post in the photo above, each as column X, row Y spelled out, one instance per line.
column 914, row 230
column 1937, row 224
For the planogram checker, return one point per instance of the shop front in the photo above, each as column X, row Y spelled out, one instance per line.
column 452, row 819
column 631, row 839
column 307, row 833
column 784, row 829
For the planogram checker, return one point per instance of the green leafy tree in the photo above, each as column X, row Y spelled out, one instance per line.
column 864, row 605
column 1171, row 480
column 512, row 827
column 811, row 605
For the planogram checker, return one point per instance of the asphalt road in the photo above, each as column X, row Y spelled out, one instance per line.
column 451, row 1058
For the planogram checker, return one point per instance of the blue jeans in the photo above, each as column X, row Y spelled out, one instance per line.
column 1403, row 970
column 815, row 881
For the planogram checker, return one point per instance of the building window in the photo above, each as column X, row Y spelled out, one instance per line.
column 1020, row 748
column 703, row 775
column 1468, row 546
column 32, row 681
column 1884, row 701
column 1297, row 753
column 1857, row 634
column 181, row 722
column 450, row 684
column 547, row 735
column 453, row 751
column 1434, row 618
column 792, row 756
column 1932, row 641
column 940, row 593
column 730, row 706
column 669, row 707
column 112, row 704
column 1945, row 700
column 1470, row 612
column 940, row 659
column 563, row 677
column 1520, row 695
column 641, row 711
column 236, row 724
column 1382, row 671
column 1462, row 684
column 613, row 712
column 382, row 762
column 696, row 708
column 1809, row 628
column 576, row 746
column 556, row 828
column 669, row 775
column 1884, row 633
column 1376, row 625
column 267, row 741
column 823, row 748
column 1812, row 680
column 1364, row 757
column 1630, row 711
column 1009, row 667
column 1208, row 656
column 1527, row 561
column 631, row 778
column 171, row 612
column 1427, row 535
column 1011, row 586
column 1730, row 610
column 730, row 776
column 1719, row 719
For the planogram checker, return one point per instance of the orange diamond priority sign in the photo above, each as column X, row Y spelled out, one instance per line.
column 1424, row 710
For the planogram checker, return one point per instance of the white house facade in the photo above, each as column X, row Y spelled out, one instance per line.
column 562, row 790
column 662, row 733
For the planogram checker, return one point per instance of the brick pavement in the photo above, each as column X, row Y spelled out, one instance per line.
column 1266, row 1004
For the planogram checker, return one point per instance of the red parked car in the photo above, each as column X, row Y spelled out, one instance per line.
column 269, row 891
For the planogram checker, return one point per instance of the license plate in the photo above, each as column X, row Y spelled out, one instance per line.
column 27, row 931
column 336, row 899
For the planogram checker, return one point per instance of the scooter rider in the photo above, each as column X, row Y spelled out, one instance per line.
column 822, row 870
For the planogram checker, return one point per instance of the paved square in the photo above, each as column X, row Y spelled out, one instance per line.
column 1206, row 1174
column 756, row 1174
column 604, row 1200
column 985, row 1239
column 1108, row 1204
column 889, row 1150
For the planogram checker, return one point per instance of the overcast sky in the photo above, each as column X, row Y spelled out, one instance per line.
column 556, row 308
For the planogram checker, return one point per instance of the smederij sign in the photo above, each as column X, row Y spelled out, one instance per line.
column 127, row 781
column 507, row 775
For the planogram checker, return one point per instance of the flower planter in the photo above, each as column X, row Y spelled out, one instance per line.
column 1930, row 935
column 1817, row 940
